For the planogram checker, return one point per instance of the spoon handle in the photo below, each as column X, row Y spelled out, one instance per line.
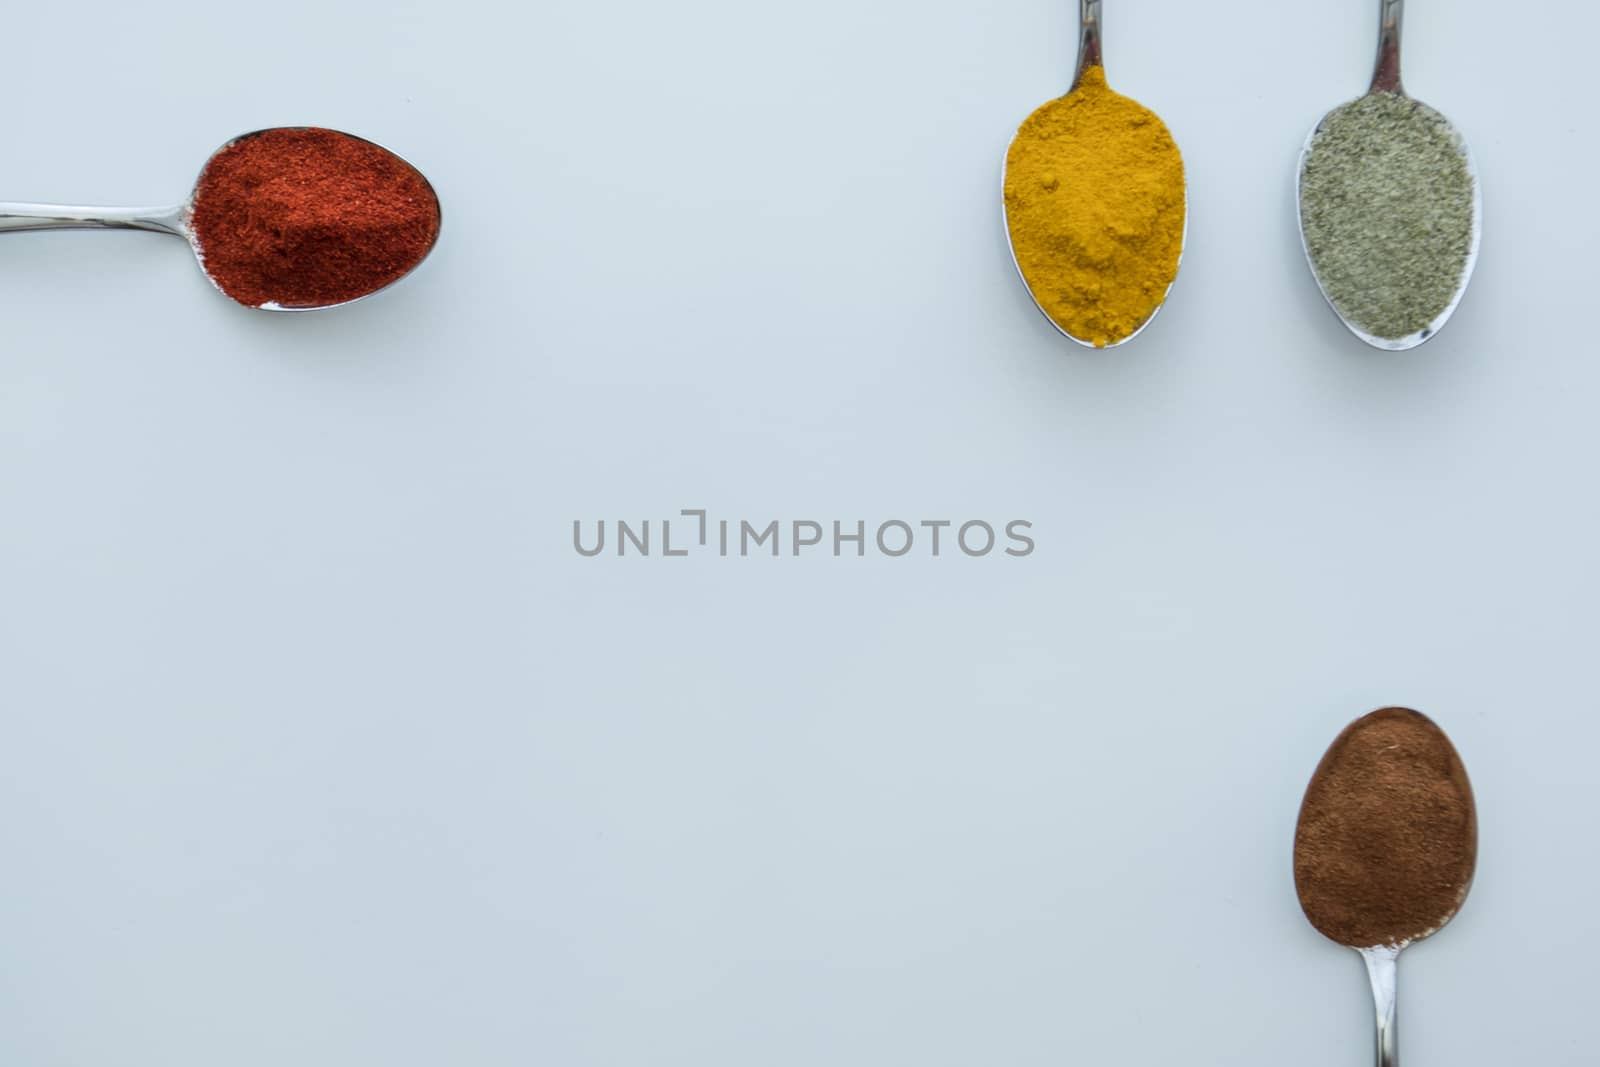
column 1381, row 969
column 1088, row 38
column 19, row 217
column 1386, row 75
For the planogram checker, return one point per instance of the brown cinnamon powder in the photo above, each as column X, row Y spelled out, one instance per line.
column 1388, row 834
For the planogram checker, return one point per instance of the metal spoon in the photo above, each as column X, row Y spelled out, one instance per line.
column 16, row 218
column 1381, row 960
column 1386, row 79
column 1089, row 55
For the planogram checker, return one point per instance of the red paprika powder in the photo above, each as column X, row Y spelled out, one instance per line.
column 305, row 217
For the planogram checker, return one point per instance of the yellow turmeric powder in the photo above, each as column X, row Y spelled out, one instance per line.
column 1095, row 207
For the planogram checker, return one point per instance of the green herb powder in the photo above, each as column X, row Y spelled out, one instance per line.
column 1386, row 204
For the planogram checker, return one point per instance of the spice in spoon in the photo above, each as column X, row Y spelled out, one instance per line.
column 304, row 217
column 1388, row 834
column 1387, row 204
column 1095, row 206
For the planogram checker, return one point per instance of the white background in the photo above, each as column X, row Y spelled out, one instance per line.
column 320, row 745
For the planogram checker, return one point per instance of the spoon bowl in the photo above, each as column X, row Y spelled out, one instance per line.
column 178, row 221
column 1386, row 846
column 1386, row 79
column 1089, row 56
